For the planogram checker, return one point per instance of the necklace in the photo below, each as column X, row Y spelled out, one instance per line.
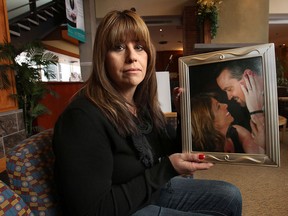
column 132, row 109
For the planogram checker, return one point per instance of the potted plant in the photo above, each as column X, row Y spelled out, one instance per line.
column 207, row 10
column 27, row 62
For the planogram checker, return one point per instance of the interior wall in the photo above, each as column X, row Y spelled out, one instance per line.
column 243, row 21
column 278, row 6
column 143, row 8
column 172, row 7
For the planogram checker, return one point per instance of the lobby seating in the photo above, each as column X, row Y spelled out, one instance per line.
column 11, row 203
column 171, row 119
column 283, row 124
column 30, row 172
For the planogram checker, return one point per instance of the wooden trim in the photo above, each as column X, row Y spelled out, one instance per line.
column 4, row 22
column 6, row 102
column 65, row 36
column 170, row 114
column 2, row 164
column 61, row 51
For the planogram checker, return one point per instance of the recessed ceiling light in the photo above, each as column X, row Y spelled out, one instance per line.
column 163, row 42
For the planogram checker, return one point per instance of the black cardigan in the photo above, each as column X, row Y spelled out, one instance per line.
column 97, row 171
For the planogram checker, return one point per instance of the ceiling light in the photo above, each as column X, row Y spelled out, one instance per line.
column 163, row 42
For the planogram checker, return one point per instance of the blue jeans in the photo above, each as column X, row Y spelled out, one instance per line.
column 184, row 196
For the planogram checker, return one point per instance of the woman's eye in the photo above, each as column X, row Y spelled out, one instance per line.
column 139, row 47
column 119, row 47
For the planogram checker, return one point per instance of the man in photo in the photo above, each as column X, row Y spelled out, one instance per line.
column 242, row 81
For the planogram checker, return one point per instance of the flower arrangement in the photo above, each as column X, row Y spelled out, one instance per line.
column 208, row 9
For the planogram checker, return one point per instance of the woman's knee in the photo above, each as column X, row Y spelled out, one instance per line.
column 232, row 196
column 232, row 191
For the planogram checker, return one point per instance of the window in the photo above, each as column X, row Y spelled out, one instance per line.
column 67, row 70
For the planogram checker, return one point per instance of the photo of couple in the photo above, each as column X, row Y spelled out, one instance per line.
column 227, row 106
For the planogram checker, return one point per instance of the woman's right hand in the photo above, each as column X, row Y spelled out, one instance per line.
column 176, row 93
column 188, row 163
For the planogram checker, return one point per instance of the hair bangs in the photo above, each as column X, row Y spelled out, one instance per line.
column 124, row 29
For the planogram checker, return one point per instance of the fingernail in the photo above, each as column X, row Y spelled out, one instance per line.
column 201, row 156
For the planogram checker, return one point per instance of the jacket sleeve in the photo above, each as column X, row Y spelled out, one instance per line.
column 84, row 167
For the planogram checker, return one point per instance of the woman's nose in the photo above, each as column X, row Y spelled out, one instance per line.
column 224, row 106
column 131, row 55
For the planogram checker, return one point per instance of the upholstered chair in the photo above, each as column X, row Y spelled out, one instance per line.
column 30, row 171
column 12, row 204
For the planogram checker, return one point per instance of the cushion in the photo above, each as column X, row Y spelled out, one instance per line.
column 11, row 203
column 30, row 171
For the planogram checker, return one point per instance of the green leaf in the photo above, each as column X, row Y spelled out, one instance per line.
column 30, row 88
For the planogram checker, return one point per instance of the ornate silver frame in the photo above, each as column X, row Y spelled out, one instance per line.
column 267, row 53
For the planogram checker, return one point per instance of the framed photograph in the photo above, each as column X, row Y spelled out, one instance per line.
column 229, row 106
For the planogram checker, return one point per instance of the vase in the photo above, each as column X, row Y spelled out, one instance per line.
column 206, row 31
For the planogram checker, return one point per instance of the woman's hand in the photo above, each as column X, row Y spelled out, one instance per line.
column 258, row 130
column 188, row 163
column 250, row 143
column 176, row 98
column 252, row 87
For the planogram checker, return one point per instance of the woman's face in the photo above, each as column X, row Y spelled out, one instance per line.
column 222, row 118
column 126, row 65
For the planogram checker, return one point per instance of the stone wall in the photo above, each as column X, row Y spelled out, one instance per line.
column 12, row 130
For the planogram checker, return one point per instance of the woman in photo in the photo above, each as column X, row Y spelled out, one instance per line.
column 213, row 129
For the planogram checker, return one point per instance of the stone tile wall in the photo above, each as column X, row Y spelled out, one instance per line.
column 12, row 130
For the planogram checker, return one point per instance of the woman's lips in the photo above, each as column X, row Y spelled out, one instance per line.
column 132, row 70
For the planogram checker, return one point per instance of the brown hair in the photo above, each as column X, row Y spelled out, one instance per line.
column 114, row 29
column 205, row 136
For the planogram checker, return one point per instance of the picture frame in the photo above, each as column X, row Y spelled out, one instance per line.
column 198, row 76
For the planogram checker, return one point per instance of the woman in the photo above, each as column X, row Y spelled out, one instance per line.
column 114, row 153
column 213, row 129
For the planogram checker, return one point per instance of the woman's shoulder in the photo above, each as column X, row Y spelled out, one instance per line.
column 79, row 101
column 82, row 103
column 82, row 106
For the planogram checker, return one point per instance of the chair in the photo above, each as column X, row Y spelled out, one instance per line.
column 30, row 172
column 283, row 124
column 171, row 118
column 11, row 203
column 283, row 106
